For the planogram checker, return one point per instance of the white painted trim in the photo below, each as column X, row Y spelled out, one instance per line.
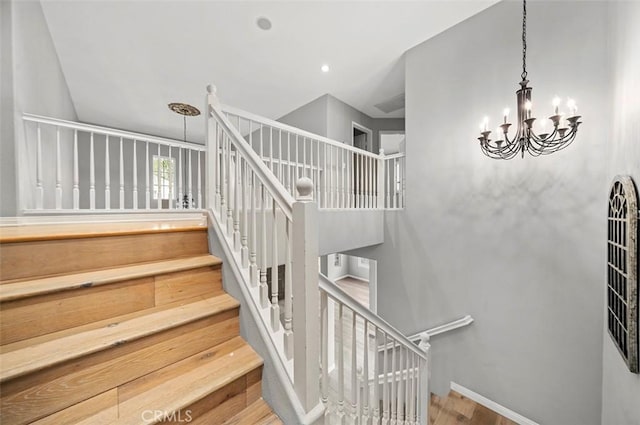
column 355, row 125
column 490, row 404
column 284, row 127
column 91, row 216
column 90, row 128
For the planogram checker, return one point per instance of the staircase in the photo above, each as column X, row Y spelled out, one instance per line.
column 121, row 324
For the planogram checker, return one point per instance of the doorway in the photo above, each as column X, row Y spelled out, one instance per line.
column 361, row 137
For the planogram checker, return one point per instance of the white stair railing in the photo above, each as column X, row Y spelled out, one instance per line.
column 68, row 167
column 394, row 180
column 343, row 177
column 266, row 230
column 359, row 384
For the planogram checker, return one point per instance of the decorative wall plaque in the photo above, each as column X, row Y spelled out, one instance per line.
column 622, row 269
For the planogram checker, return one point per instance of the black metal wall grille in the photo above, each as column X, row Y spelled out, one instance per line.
column 622, row 269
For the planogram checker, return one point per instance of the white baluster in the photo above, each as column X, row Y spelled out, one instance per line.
column 343, row 174
column 216, row 159
column 288, row 293
column 304, row 157
column 223, row 179
column 275, row 308
column 376, row 384
column 340, row 332
column 385, row 385
column 412, row 395
column 325, row 171
column 297, row 175
column 135, row 176
column 58, row 171
column 92, row 176
column 324, row 349
column 199, row 181
column 107, row 175
column 236, row 204
column 39, row 185
column 312, row 174
column 171, row 180
column 354, row 369
column 264, row 292
column 401, row 384
column 423, row 383
column 76, row 175
column 316, row 183
column 290, row 185
column 394, row 385
column 147, row 194
column 253, row 267
column 262, row 143
column 121, row 176
column 159, row 184
column 229, row 187
column 381, row 180
column 190, row 180
column 365, row 373
column 271, row 149
column 244, row 250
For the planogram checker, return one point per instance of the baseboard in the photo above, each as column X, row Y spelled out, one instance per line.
column 490, row 404
column 351, row 276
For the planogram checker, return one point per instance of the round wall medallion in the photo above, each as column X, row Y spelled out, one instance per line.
column 184, row 109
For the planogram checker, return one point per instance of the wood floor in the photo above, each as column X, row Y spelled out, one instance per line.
column 456, row 409
column 357, row 289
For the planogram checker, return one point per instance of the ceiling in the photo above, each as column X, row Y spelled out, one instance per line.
column 124, row 61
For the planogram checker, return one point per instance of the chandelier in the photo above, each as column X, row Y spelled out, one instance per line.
column 525, row 138
column 185, row 110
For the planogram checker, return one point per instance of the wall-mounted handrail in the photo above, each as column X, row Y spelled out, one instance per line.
column 447, row 327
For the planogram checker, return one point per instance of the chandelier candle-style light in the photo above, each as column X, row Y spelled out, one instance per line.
column 525, row 138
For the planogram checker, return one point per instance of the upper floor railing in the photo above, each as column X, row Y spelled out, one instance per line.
column 70, row 166
column 344, row 177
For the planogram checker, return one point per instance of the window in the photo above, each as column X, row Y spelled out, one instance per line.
column 163, row 177
column 622, row 270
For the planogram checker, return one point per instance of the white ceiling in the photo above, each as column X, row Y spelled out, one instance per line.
column 125, row 60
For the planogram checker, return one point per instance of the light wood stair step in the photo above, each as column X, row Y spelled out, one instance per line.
column 456, row 409
column 191, row 382
column 257, row 413
column 40, row 232
column 37, row 357
column 40, row 254
column 48, row 285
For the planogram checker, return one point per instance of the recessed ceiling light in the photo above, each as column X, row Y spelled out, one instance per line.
column 325, row 68
column 264, row 23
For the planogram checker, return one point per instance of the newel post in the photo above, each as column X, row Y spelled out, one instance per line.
column 212, row 143
column 306, row 305
column 423, row 380
column 381, row 180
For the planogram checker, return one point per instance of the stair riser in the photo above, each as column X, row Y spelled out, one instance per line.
column 41, row 315
column 42, row 393
column 223, row 404
column 21, row 260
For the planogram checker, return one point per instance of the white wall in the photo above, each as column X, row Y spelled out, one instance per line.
column 32, row 76
column 620, row 388
column 517, row 244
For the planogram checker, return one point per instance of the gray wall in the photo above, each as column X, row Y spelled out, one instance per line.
column 330, row 117
column 311, row 117
column 32, row 81
column 517, row 244
column 620, row 388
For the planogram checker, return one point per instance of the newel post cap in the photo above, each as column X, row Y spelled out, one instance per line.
column 211, row 89
column 381, row 152
column 305, row 189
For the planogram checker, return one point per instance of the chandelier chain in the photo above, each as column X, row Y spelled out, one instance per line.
column 524, row 40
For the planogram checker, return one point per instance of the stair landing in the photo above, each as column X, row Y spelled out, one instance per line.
column 456, row 409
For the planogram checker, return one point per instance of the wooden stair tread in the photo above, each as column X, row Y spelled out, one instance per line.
column 257, row 413
column 12, row 234
column 47, row 285
column 218, row 367
column 36, row 357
